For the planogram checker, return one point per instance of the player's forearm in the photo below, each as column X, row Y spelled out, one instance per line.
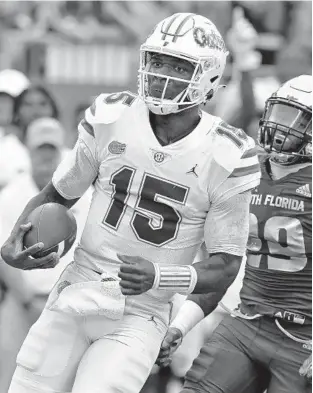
column 215, row 275
column 216, row 280
column 212, row 275
column 194, row 309
column 48, row 194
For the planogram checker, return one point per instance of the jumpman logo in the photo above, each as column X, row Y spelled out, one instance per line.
column 152, row 320
column 193, row 171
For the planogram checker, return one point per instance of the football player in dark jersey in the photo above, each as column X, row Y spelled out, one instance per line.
column 266, row 342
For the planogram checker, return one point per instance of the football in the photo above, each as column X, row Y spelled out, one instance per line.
column 55, row 226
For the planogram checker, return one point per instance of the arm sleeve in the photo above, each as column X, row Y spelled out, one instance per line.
column 80, row 167
column 227, row 225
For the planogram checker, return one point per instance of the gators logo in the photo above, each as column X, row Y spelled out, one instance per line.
column 208, row 39
column 117, row 147
column 62, row 285
column 200, row 36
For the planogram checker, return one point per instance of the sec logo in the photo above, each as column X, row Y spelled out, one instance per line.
column 159, row 157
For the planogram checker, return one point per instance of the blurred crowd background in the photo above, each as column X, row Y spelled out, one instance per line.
column 55, row 57
column 81, row 48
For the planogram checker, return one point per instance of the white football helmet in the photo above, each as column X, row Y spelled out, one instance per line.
column 286, row 126
column 189, row 37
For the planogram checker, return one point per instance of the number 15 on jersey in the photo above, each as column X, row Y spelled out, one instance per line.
column 149, row 207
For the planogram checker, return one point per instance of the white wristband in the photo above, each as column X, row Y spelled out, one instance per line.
column 189, row 315
column 181, row 279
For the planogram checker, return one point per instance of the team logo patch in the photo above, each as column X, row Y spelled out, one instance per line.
column 199, row 36
column 209, row 39
column 117, row 147
column 62, row 285
column 192, row 171
column 304, row 190
column 152, row 319
column 159, row 156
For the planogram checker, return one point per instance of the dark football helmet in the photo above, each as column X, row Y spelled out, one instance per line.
column 286, row 126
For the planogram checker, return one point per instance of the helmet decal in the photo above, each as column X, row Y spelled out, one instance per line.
column 173, row 30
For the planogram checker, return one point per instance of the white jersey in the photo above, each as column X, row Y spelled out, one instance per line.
column 151, row 200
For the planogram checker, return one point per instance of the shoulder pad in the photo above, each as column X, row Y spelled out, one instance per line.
column 236, row 135
column 108, row 108
column 230, row 144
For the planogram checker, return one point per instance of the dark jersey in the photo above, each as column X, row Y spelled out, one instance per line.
column 278, row 279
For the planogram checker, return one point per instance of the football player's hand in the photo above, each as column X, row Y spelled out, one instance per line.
column 14, row 254
column 306, row 369
column 136, row 274
column 170, row 343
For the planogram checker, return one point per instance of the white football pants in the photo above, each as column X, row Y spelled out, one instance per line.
column 92, row 354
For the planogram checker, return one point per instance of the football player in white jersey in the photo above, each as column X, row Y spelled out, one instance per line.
column 168, row 177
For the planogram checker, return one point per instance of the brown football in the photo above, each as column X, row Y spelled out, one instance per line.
column 55, row 226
